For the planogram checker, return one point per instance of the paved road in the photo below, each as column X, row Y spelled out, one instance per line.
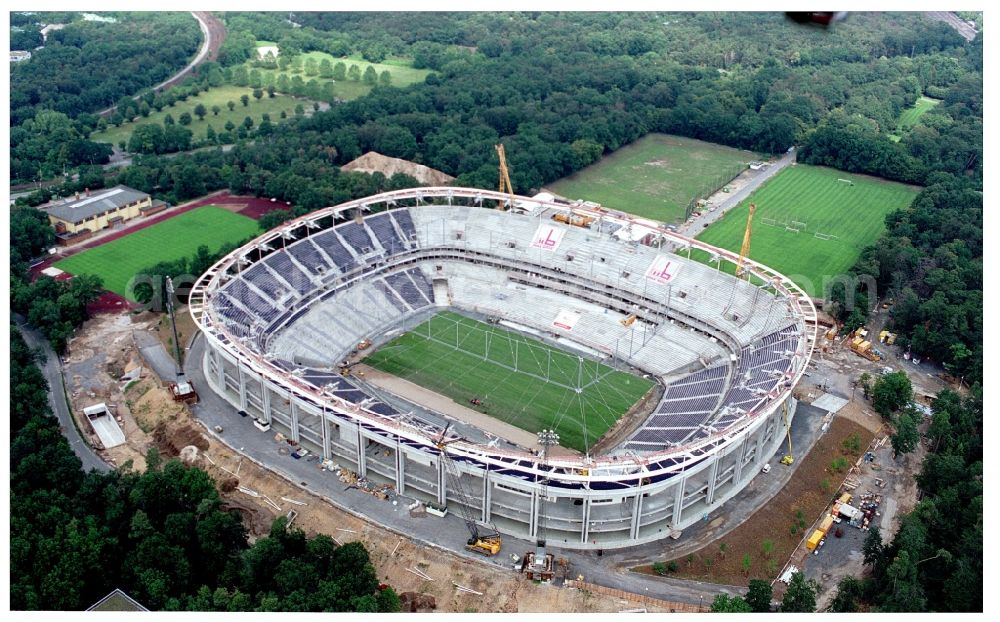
column 707, row 218
column 610, row 569
column 210, row 44
column 52, row 369
column 956, row 22
column 155, row 355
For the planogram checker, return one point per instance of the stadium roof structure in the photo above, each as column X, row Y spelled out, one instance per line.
column 80, row 209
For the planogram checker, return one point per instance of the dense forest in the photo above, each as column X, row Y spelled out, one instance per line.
column 83, row 68
column 163, row 536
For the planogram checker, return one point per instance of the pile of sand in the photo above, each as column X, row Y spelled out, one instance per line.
column 372, row 162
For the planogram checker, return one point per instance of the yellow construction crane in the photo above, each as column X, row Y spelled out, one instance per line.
column 745, row 249
column 789, row 458
column 505, row 185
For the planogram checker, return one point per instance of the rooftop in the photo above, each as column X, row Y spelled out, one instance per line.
column 79, row 209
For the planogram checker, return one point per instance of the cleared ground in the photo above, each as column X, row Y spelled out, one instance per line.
column 400, row 71
column 655, row 177
column 464, row 359
column 812, row 222
column 118, row 261
column 217, row 96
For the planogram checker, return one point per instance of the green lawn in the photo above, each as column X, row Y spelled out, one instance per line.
column 516, row 397
column 401, row 71
column 909, row 117
column 656, row 177
column 214, row 96
column 816, row 199
column 118, row 261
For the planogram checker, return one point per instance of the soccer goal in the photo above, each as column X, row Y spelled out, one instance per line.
column 798, row 225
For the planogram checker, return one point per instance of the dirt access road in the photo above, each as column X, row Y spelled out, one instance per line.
column 214, row 34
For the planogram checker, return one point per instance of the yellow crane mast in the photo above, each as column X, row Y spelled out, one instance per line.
column 745, row 249
column 505, row 185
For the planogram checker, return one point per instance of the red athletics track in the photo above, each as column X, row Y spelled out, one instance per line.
column 252, row 207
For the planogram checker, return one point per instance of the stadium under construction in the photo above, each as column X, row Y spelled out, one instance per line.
column 282, row 313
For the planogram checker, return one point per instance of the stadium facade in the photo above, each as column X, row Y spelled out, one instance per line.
column 282, row 312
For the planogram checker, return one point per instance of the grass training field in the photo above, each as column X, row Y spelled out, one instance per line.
column 655, row 177
column 477, row 360
column 798, row 209
column 400, row 70
column 216, row 96
column 118, row 261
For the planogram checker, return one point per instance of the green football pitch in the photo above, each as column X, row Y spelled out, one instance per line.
column 520, row 381
column 118, row 261
column 656, row 176
column 811, row 222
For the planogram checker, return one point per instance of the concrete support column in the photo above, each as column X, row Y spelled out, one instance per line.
column 585, row 532
column 243, row 386
column 220, row 369
column 487, row 496
column 293, row 413
column 400, row 467
column 713, row 475
column 741, row 454
column 533, row 519
column 362, row 458
column 442, row 480
column 325, row 427
column 265, row 402
column 679, row 500
column 636, row 512
column 759, row 458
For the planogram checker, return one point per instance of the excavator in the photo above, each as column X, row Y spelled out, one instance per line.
column 789, row 458
column 483, row 541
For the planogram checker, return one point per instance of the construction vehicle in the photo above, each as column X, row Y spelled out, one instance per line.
column 364, row 344
column 577, row 220
column 886, row 337
column 505, row 185
column 630, row 320
column 483, row 541
column 860, row 345
column 788, row 459
column 745, row 249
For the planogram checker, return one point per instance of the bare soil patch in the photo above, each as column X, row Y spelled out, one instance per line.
column 784, row 521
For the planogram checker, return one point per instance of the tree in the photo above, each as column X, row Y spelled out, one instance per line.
column 245, row 99
column 891, row 392
column 216, row 110
column 354, row 73
column 325, row 68
column 759, row 596
column 385, row 78
column 746, row 563
column 185, row 118
column 311, row 66
column 247, row 122
column 200, row 111
column 230, row 126
column 210, row 135
column 724, row 603
column 370, row 76
column 723, row 547
column 800, row 597
column 866, row 382
column 767, row 547
column 340, row 72
column 299, row 110
column 906, row 437
column 270, row 90
column 660, row 568
column 231, row 105
column 168, row 120
column 850, row 591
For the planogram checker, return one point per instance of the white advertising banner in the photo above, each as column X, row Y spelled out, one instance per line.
column 547, row 237
column 663, row 269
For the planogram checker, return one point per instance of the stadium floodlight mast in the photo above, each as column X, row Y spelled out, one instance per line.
column 547, row 439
